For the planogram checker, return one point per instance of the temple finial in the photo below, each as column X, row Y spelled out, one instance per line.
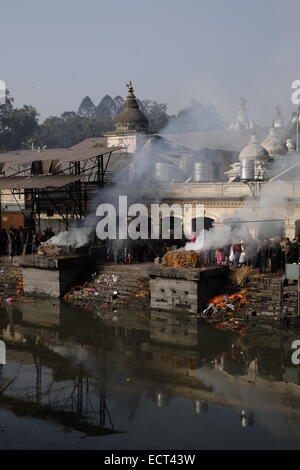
column 130, row 86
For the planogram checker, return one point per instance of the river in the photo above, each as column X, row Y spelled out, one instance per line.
column 76, row 381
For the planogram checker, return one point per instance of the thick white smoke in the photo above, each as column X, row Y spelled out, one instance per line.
column 75, row 237
column 142, row 170
column 262, row 216
column 268, row 206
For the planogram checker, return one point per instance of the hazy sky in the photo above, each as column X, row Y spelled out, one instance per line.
column 56, row 52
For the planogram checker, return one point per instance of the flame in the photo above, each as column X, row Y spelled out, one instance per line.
column 221, row 300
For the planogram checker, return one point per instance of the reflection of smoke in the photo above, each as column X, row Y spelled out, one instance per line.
column 76, row 354
column 269, row 408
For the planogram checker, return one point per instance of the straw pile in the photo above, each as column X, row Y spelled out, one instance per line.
column 240, row 275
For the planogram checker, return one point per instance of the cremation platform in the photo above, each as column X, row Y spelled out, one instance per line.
column 52, row 277
column 185, row 289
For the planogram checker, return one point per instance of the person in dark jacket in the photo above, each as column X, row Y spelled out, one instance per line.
column 288, row 251
column 294, row 251
column 262, row 255
column 275, row 254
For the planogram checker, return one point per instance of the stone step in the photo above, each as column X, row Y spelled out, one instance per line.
column 128, row 269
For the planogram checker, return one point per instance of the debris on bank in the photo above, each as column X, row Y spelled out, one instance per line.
column 111, row 291
column 270, row 299
column 11, row 281
column 222, row 312
column 19, row 286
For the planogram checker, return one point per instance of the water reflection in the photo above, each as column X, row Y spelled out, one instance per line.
column 101, row 377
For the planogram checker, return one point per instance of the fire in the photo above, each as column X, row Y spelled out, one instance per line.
column 224, row 300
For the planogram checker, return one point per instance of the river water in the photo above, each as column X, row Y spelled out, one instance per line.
column 74, row 381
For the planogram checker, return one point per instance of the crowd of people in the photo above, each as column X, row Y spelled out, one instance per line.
column 262, row 253
column 18, row 241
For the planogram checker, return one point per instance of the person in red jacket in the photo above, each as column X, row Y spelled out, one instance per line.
column 193, row 238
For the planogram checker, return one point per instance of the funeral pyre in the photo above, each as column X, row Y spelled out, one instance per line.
column 182, row 259
column 73, row 242
column 58, row 251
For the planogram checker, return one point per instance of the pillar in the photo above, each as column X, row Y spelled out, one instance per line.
column 290, row 228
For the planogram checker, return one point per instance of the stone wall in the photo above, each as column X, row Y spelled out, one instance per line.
column 184, row 289
column 52, row 276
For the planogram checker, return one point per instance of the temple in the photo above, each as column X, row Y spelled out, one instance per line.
column 226, row 171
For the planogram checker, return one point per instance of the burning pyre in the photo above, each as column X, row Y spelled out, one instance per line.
column 55, row 251
column 182, row 259
column 74, row 242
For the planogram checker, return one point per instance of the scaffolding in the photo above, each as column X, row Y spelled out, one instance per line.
column 65, row 191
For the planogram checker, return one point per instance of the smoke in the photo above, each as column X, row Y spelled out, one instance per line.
column 196, row 117
column 137, row 177
column 263, row 214
column 75, row 237
column 220, row 236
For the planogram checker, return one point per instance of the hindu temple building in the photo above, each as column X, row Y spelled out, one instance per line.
column 278, row 120
column 131, row 126
column 225, row 170
column 242, row 121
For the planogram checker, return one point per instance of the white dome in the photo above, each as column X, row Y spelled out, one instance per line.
column 274, row 144
column 254, row 151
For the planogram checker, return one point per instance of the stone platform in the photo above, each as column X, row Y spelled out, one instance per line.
column 185, row 289
column 52, row 276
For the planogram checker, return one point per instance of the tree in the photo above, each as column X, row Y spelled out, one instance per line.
column 108, row 109
column 87, row 109
column 5, row 109
column 69, row 129
column 119, row 103
column 17, row 125
column 156, row 114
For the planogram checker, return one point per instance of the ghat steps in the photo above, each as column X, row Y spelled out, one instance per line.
column 268, row 295
column 129, row 280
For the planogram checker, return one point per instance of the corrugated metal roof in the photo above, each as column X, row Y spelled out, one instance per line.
column 86, row 149
column 38, row 182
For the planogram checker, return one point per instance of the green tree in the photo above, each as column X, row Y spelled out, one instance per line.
column 17, row 126
column 87, row 109
column 69, row 129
